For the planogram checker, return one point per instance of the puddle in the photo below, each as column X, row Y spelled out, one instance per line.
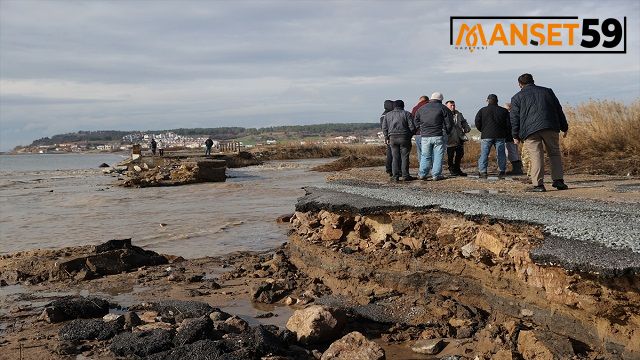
column 248, row 310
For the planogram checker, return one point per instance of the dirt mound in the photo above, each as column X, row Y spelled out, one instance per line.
column 350, row 161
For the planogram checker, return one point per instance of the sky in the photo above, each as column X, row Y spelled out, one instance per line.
column 148, row 65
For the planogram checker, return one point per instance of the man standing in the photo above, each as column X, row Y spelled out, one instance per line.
column 154, row 146
column 513, row 154
column 537, row 118
column 398, row 127
column 455, row 145
column 433, row 119
column 388, row 106
column 208, row 143
column 493, row 123
column 422, row 100
column 161, row 147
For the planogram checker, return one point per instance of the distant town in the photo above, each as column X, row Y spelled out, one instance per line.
column 106, row 141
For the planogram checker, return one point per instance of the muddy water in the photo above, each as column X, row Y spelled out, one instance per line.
column 56, row 208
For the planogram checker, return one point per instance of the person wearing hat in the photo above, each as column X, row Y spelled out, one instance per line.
column 493, row 123
column 537, row 119
column 435, row 121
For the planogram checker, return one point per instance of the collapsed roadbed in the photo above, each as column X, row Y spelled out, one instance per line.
column 506, row 287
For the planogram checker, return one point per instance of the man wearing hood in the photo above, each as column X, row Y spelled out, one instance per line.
column 398, row 128
column 388, row 106
column 435, row 120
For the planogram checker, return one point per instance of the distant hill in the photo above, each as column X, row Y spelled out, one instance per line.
column 219, row 133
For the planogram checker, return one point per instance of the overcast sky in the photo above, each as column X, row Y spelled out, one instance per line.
column 135, row 65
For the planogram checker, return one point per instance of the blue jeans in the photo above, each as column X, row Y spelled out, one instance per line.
column 419, row 147
column 432, row 154
column 485, row 149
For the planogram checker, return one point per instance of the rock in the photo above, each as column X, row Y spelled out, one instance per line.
column 153, row 326
column 3, row 283
column 468, row 249
column 177, row 309
column 289, row 300
column 526, row 312
column 539, row 345
column 412, row 243
column 137, row 168
column 315, row 324
column 192, row 330
column 428, row 346
column 110, row 317
column 131, row 320
column 74, row 308
column 330, row 234
column 233, row 325
column 149, row 316
column 67, row 348
column 354, row 346
column 378, row 227
column 489, row 242
column 209, row 284
column 218, row 315
column 199, row 350
column 110, row 258
column 90, row 329
column 142, row 344
column 104, row 165
column 267, row 292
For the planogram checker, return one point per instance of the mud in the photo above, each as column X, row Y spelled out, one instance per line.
column 439, row 275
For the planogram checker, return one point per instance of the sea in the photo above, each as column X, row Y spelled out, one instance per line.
column 57, row 200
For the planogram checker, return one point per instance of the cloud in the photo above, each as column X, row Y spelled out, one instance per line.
column 69, row 66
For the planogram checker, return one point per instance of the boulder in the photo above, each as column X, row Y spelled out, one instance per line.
column 104, row 165
column 192, row 330
column 142, row 343
column 354, row 346
column 199, row 350
column 91, row 329
column 490, row 242
column 315, row 324
column 539, row 345
column 428, row 346
column 74, row 308
column 267, row 292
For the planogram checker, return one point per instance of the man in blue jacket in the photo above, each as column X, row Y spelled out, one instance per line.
column 537, row 118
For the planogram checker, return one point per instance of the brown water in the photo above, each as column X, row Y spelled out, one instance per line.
column 55, row 208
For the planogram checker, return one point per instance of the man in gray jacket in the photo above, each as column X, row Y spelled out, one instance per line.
column 398, row 128
column 537, row 118
column 455, row 144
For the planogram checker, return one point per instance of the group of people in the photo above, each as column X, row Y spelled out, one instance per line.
column 533, row 117
column 157, row 146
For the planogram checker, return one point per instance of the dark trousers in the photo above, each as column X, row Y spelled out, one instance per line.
column 400, row 149
column 387, row 163
column 454, row 157
column 161, row 152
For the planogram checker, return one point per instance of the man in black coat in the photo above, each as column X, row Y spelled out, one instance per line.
column 398, row 128
column 537, row 118
column 388, row 106
column 493, row 123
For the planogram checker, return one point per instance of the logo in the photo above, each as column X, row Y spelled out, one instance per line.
column 539, row 34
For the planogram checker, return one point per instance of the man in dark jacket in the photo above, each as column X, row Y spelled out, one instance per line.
column 537, row 118
column 154, row 146
column 208, row 144
column 455, row 143
column 398, row 127
column 422, row 101
column 433, row 119
column 493, row 123
column 388, row 106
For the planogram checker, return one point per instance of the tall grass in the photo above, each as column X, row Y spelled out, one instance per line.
column 603, row 138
